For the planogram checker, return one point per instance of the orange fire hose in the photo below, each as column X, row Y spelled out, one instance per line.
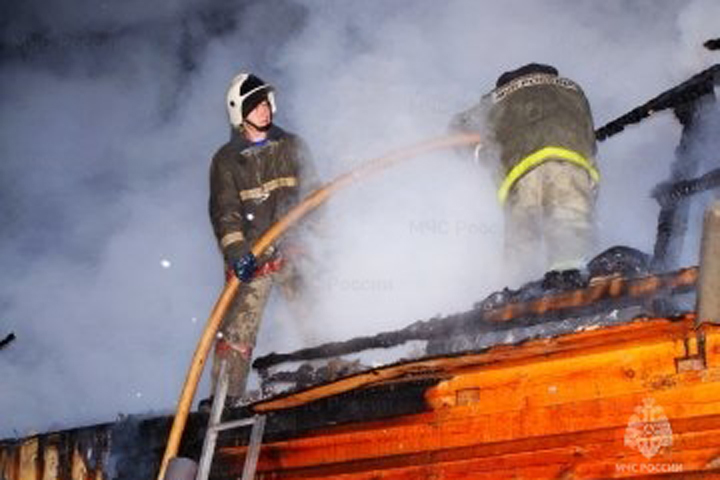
column 311, row 202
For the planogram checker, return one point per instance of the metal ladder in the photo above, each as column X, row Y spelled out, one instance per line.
column 215, row 426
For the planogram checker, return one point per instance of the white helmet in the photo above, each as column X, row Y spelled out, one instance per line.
column 245, row 93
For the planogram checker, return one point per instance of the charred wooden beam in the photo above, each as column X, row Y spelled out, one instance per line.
column 367, row 404
column 420, row 330
column 447, row 365
column 603, row 294
column 7, row 340
column 687, row 92
column 673, row 216
column 307, row 375
column 686, row 101
column 668, row 193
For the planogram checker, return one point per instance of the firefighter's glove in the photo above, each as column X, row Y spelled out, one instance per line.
column 245, row 267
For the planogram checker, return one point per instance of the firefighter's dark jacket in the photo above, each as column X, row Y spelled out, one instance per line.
column 252, row 186
column 530, row 120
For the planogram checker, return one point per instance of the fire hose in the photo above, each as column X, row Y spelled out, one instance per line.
column 310, row 203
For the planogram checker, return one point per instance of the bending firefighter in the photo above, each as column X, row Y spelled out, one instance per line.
column 539, row 125
column 254, row 179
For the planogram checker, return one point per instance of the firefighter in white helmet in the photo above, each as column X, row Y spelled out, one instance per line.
column 254, row 179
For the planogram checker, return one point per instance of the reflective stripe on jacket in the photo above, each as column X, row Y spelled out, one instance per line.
column 253, row 185
column 530, row 120
column 540, row 117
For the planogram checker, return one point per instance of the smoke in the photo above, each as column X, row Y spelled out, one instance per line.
column 111, row 114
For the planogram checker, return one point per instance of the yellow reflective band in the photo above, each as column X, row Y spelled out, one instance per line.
column 538, row 157
column 230, row 238
column 267, row 187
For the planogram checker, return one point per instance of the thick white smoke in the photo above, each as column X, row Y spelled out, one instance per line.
column 109, row 268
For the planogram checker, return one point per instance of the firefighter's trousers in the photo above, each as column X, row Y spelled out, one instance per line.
column 549, row 221
column 239, row 329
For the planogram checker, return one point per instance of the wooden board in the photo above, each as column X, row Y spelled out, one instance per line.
column 640, row 331
column 558, row 408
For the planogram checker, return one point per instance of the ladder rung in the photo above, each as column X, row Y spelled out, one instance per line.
column 253, row 451
column 215, row 426
column 221, row 427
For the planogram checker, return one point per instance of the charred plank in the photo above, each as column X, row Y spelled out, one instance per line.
column 602, row 295
column 687, row 92
column 7, row 340
column 668, row 193
column 359, row 405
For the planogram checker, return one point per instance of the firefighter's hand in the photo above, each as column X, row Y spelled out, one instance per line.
column 245, row 267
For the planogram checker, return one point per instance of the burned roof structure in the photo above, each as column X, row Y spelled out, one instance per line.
column 618, row 376
column 647, row 285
